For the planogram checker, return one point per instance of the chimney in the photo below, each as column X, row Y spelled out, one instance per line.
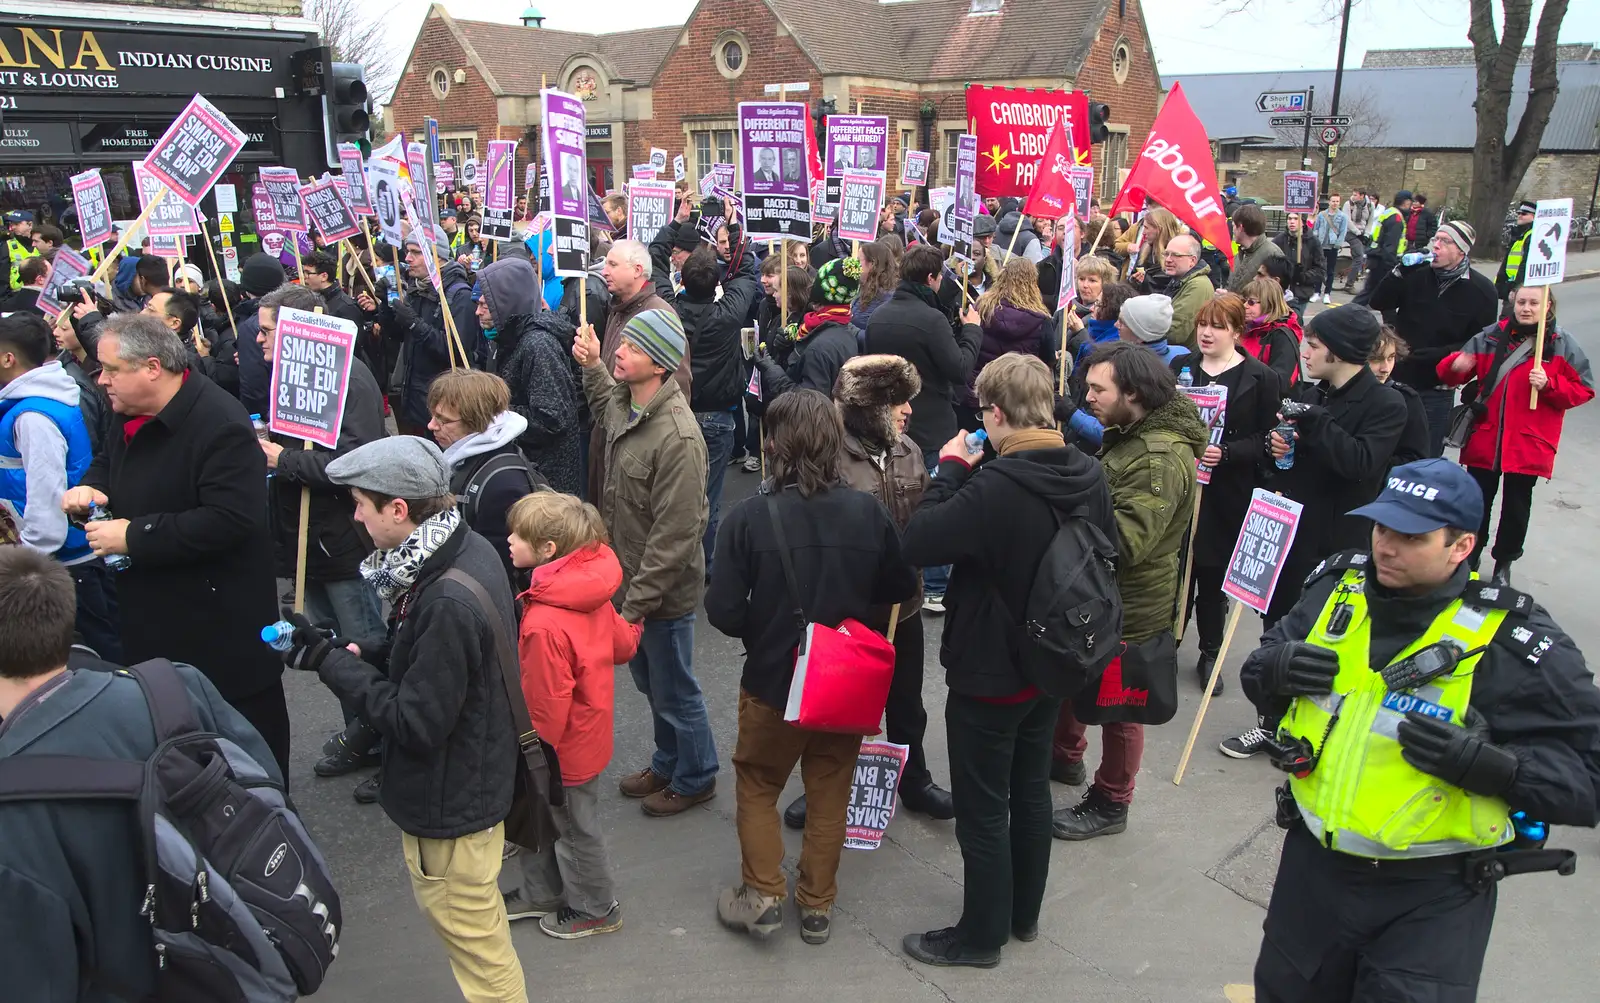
column 531, row 18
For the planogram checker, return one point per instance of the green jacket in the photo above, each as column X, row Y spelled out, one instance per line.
column 1149, row 467
column 654, row 503
column 1193, row 290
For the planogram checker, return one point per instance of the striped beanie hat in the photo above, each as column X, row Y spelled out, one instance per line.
column 658, row 334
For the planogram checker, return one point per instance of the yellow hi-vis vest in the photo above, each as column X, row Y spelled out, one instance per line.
column 1377, row 225
column 1363, row 798
column 1519, row 247
column 18, row 255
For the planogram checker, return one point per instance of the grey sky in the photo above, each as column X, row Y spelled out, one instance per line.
column 1189, row 36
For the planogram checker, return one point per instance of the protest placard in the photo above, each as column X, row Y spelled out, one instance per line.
column 679, row 172
column 564, row 139
column 469, row 171
column 94, row 207
column 966, row 200
column 1082, row 177
column 194, row 151
column 1258, row 558
column 498, row 172
column 355, row 175
column 658, row 159
column 772, row 147
column 311, row 359
column 853, row 144
column 530, row 177
column 913, row 168
column 389, row 192
column 168, row 217
column 497, row 224
column 644, row 172
column 67, row 265
column 329, row 211
column 1069, row 267
column 1300, row 192
column 1262, row 548
column 1547, row 242
column 282, row 185
column 444, row 175
column 420, row 172
column 821, row 211
column 724, row 175
column 873, row 789
column 1213, row 404
column 649, row 209
column 860, row 198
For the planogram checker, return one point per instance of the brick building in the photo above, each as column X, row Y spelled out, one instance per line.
column 677, row 88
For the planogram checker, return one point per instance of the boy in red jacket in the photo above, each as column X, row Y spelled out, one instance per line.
column 569, row 644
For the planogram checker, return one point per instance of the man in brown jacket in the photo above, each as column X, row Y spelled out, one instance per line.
column 627, row 276
column 654, row 461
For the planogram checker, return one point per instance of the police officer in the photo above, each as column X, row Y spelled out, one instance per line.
column 1424, row 707
column 1387, row 238
column 19, row 245
column 1514, row 268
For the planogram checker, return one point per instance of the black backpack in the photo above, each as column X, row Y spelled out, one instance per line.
column 508, row 462
column 241, row 905
column 1072, row 626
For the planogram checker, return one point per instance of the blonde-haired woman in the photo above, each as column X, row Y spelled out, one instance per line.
column 1157, row 228
column 1271, row 333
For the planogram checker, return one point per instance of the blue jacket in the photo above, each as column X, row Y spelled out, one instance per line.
column 1082, row 421
column 1330, row 228
column 542, row 247
column 52, row 394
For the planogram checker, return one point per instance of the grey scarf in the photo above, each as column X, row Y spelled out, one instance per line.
column 1447, row 277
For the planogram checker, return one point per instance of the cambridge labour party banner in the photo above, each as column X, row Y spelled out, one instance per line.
column 1013, row 124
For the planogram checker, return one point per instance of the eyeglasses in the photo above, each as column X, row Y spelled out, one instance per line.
column 1177, row 254
column 1252, row 302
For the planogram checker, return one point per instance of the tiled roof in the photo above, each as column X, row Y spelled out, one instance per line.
column 516, row 56
column 928, row 40
column 1462, row 56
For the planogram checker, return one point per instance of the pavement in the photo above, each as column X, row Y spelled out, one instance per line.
column 1169, row 911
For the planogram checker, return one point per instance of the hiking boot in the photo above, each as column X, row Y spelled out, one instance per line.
column 1251, row 743
column 352, row 749
column 1095, row 815
column 519, row 906
column 669, row 802
column 570, row 924
column 794, row 816
column 815, row 925
column 744, row 909
column 643, row 784
column 929, row 799
column 946, row 949
column 1502, row 574
column 366, row 791
column 933, row 602
column 1071, row 774
column 1202, row 668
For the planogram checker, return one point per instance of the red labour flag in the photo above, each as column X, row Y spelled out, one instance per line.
column 1175, row 169
column 1053, row 196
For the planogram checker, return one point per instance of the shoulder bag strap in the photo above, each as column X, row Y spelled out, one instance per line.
column 171, row 707
column 483, row 475
column 788, row 563
column 505, row 652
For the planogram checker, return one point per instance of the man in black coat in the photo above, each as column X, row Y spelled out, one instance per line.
column 216, row 355
column 261, row 274
column 69, row 876
column 186, row 483
column 994, row 522
column 1437, row 306
column 319, row 273
column 433, row 688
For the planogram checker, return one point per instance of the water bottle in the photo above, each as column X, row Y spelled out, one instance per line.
column 975, row 441
column 1415, row 257
column 278, row 636
column 1285, row 432
column 1185, row 378
column 116, row 562
column 260, row 425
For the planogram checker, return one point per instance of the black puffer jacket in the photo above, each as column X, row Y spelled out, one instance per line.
column 449, row 748
column 995, row 531
column 813, row 365
column 712, row 326
column 913, row 326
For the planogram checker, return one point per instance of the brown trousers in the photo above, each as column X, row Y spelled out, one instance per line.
column 767, row 750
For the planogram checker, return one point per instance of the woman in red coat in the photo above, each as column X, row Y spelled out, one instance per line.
column 1510, row 439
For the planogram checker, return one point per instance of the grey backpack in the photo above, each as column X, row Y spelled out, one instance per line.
column 241, row 905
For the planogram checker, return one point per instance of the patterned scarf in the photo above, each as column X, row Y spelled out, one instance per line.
column 817, row 319
column 391, row 572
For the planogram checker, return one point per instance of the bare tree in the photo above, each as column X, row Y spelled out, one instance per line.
column 1359, row 161
column 357, row 32
column 1498, row 166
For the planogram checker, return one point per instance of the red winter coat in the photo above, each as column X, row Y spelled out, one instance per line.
column 1277, row 343
column 571, row 640
column 1513, row 438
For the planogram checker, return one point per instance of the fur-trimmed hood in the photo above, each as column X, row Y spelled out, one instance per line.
column 866, row 392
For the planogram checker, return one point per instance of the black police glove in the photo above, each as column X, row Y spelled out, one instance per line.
column 1456, row 756
column 1298, row 669
column 310, row 644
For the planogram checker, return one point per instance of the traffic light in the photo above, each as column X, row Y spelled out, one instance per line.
column 819, row 116
column 349, row 111
column 1099, row 114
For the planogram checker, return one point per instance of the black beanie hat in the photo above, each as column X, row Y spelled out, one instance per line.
column 1348, row 331
column 262, row 273
column 688, row 238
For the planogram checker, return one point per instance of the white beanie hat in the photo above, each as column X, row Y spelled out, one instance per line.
column 1147, row 318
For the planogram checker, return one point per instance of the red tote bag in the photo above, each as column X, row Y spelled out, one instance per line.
column 841, row 674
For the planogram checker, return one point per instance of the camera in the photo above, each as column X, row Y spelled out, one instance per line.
column 711, row 205
column 76, row 287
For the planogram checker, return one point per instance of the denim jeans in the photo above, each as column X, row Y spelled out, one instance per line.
column 935, row 579
column 1437, row 404
column 352, row 605
column 663, row 670
column 716, row 427
column 1330, row 257
column 97, row 624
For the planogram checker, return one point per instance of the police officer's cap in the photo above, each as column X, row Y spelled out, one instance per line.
column 1527, row 207
column 19, row 216
column 1426, row 495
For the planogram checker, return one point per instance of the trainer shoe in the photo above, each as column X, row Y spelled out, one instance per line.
column 346, row 751
column 946, row 949
column 933, row 602
column 366, row 791
column 643, row 784
column 570, row 924
column 744, row 909
column 815, row 925
column 1095, row 815
column 519, row 906
column 1251, row 743
column 667, row 801
column 752, row 464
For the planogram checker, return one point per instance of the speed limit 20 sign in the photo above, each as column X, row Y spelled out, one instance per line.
column 1330, row 134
